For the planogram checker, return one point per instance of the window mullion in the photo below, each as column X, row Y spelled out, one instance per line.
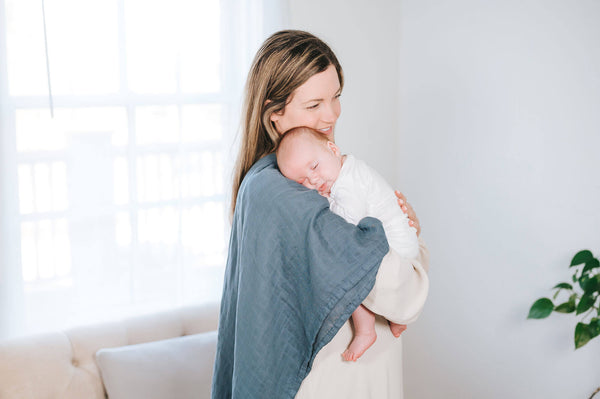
column 132, row 155
column 11, row 282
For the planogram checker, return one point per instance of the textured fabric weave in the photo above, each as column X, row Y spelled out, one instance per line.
column 294, row 275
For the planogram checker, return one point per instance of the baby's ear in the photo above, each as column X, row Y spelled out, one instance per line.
column 334, row 148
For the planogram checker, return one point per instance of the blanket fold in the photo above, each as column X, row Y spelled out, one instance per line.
column 295, row 273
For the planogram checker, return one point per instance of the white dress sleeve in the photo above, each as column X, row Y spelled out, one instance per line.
column 401, row 287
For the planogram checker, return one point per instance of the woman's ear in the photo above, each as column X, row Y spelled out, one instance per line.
column 276, row 115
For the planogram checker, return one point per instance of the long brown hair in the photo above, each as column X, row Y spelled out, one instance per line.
column 285, row 61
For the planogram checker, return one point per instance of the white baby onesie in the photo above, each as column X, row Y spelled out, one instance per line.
column 360, row 191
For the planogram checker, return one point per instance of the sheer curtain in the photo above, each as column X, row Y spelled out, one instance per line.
column 116, row 202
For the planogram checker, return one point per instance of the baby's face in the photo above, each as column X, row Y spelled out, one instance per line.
column 313, row 164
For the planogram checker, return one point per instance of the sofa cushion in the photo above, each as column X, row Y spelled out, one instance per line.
column 177, row 368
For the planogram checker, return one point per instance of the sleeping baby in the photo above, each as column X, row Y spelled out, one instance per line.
column 354, row 191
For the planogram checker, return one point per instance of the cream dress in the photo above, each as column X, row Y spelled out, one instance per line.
column 399, row 294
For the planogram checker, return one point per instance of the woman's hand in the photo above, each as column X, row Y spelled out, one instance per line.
column 406, row 208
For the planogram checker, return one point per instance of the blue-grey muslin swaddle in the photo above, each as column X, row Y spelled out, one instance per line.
column 295, row 273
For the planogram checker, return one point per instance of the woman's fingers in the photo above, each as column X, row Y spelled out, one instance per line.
column 404, row 205
column 410, row 212
column 400, row 196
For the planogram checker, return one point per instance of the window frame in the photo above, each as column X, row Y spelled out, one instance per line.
column 242, row 14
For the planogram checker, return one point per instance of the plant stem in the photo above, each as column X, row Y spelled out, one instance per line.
column 595, row 392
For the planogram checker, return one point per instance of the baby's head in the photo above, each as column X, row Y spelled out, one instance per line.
column 309, row 158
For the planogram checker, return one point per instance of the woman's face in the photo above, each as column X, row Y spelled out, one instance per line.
column 315, row 104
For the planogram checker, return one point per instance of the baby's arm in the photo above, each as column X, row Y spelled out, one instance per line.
column 383, row 205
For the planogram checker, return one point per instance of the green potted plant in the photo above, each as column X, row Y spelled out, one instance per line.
column 582, row 298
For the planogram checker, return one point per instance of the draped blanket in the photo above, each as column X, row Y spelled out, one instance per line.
column 295, row 273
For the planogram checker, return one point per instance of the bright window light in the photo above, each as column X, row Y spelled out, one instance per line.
column 119, row 196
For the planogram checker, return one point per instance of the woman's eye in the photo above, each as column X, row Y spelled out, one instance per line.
column 315, row 166
column 313, row 106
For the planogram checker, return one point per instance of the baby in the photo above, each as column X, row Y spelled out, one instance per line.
column 354, row 191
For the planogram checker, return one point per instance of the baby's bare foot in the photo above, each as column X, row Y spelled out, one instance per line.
column 359, row 345
column 397, row 329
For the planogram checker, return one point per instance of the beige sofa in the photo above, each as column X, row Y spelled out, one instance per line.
column 148, row 356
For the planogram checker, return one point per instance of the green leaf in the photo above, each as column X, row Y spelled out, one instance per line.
column 575, row 277
column 583, row 280
column 590, row 284
column 581, row 257
column 541, row 309
column 582, row 335
column 567, row 307
column 587, row 300
column 594, row 327
column 590, row 265
column 565, row 286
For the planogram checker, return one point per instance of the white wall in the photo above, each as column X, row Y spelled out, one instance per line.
column 365, row 38
column 500, row 110
column 487, row 114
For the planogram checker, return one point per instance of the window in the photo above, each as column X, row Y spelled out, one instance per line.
column 115, row 197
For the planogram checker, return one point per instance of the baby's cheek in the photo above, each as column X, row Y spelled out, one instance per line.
column 307, row 184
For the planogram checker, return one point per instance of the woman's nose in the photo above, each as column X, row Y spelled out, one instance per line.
column 330, row 113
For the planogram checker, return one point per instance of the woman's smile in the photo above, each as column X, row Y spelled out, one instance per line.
column 326, row 130
column 315, row 104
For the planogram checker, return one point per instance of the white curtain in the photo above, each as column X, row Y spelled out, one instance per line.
column 116, row 203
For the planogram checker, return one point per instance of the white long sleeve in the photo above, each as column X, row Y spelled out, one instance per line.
column 360, row 191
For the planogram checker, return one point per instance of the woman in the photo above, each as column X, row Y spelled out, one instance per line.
column 295, row 270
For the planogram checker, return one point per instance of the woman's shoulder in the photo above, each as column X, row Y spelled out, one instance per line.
column 263, row 177
column 269, row 161
column 264, row 168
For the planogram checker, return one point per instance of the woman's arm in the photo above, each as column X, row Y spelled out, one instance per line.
column 402, row 285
